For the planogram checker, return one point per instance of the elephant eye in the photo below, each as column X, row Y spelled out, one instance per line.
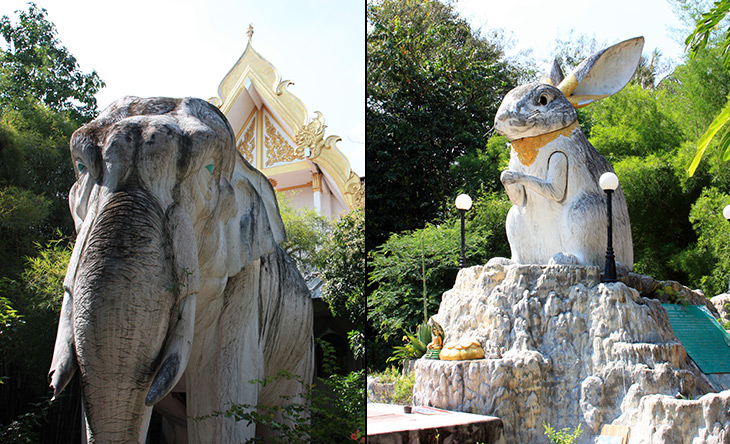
column 209, row 168
column 81, row 167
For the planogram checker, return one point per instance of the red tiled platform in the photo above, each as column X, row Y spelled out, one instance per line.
column 389, row 424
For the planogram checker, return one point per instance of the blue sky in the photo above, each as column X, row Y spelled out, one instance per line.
column 534, row 25
column 186, row 47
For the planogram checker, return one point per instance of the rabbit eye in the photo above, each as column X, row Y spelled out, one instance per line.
column 543, row 99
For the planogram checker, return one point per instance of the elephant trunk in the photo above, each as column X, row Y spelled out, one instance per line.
column 124, row 298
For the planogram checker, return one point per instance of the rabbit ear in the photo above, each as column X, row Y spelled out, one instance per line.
column 603, row 74
column 554, row 75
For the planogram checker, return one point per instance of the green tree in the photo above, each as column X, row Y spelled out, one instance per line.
column 343, row 273
column 708, row 262
column 705, row 31
column 36, row 68
column 433, row 86
column 308, row 235
column 477, row 172
column 654, row 193
column 36, row 296
column 44, row 97
column 413, row 269
column 632, row 123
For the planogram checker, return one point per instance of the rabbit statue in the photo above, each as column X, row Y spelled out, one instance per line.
column 559, row 210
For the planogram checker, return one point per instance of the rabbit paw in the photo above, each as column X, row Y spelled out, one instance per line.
column 509, row 177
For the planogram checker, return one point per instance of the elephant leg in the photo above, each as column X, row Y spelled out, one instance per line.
column 174, row 419
column 286, row 333
column 226, row 356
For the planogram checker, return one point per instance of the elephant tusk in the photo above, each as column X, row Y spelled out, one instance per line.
column 64, row 364
column 177, row 353
column 179, row 341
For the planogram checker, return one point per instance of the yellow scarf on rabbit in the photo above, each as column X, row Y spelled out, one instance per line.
column 527, row 147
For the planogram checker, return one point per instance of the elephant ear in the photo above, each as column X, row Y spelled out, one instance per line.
column 256, row 228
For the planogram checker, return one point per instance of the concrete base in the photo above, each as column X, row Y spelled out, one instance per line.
column 389, row 424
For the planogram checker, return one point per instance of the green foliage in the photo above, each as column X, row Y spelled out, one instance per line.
column 655, row 180
column 412, row 270
column 329, row 413
column 697, row 42
column 432, row 89
column 708, row 262
column 403, row 389
column 26, row 428
column 44, row 97
column 35, row 301
column 698, row 91
column 415, row 344
column 9, row 319
column 476, row 172
column 632, row 123
column 356, row 339
column 402, row 385
column 21, row 209
column 717, row 125
column 8, row 315
column 707, row 24
column 307, row 232
column 400, row 273
column 329, row 359
column 334, row 251
column 701, row 101
column 343, row 268
column 564, row 436
column 36, row 68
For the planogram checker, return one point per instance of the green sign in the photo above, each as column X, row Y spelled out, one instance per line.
column 707, row 343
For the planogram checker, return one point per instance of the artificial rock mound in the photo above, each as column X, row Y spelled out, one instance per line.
column 564, row 349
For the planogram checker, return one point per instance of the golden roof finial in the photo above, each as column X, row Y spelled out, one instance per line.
column 249, row 33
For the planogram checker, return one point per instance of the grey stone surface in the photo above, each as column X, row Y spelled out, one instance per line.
column 564, row 349
column 721, row 302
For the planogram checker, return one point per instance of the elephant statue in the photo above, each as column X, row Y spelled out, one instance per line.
column 177, row 282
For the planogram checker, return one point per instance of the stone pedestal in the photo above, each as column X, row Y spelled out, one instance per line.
column 562, row 349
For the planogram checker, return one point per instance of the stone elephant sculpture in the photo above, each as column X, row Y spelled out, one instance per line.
column 176, row 280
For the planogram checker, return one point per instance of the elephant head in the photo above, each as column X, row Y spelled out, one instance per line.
column 165, row 212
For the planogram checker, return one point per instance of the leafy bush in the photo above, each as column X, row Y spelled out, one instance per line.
column 564, row 436
column 330, row 413
column 402, row 385
column 654, row 193
column 708, row 262
column 412, row 270
column 343, row 268
column 415, row 344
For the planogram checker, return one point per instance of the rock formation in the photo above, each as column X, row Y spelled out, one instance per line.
column 721, row 302
column 564, row 349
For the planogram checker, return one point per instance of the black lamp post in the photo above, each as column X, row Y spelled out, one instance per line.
column 463, row 203
column 726, row 213
column 609, row 183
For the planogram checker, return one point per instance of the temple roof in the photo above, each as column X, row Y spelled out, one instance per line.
column 255, row 98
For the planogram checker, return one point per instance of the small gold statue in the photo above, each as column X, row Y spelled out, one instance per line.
column 437, row 340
